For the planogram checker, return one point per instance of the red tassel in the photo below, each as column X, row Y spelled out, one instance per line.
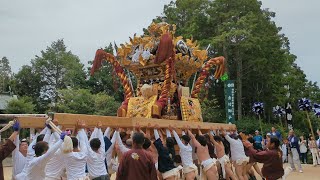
column 165, row 49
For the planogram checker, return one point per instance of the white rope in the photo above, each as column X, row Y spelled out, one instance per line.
column 53, row 126
column 7, row 126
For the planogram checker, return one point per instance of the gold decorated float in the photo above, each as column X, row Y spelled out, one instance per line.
column 162, row 64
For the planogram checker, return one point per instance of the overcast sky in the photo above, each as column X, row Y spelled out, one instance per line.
column 27, row 27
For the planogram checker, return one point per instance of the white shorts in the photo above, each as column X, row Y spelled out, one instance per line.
column 209, row 162
column 242, row 161
column 191, row 168
column 173, row 172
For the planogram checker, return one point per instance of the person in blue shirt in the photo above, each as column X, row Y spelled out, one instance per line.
column 275, row 133
column 257, row 141
column 294, row 151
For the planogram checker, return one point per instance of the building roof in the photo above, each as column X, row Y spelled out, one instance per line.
column 4, row 99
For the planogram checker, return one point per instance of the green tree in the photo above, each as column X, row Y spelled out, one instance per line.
column 27, row 83
column 211, row 111
column 57, row 68
column 258, row 55
column 78, row 101
column 105, row 105
column 5, row 74
column 22, row 105
column 81, row 101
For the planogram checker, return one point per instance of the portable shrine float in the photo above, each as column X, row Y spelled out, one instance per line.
column 162, row 65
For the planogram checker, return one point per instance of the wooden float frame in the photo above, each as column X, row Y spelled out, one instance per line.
column 68, row 121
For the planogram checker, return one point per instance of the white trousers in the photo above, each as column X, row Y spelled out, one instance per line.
column 293, row 158
column 315, row 156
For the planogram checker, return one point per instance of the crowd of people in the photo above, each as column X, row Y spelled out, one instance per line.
column 294, row 149
column 151, row 154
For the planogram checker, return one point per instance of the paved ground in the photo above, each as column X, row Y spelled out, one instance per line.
column 310, row 172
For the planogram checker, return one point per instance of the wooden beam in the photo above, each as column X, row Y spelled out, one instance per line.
column 69, row 121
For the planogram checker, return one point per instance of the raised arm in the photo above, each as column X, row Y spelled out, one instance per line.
column 113, row 140
column 179, row 142
column 83, row 141
column 199, row 130
column 193, row 139
column 156, row 134
column 168, row 134
column 53, row 138
column 158, row 142
column 94, row 134
column 14, row 144
column 16, row 150
column 122, row 147
column 100, row 136
column 212, row 139
column 228, row 138
column 47, row 135
column 107, row 132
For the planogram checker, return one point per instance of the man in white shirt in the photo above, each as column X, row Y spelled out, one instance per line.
column 238, row 156
column 189, row 169
column 36, row 167
column 55, row 168
column 75, row 161
column 19, row 156
column 44, row 135
column 96, row 155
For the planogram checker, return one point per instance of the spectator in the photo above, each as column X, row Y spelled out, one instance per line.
column 265, row 140
column 284, row 149
column 275, row 133
column 318, row 141
column 303, row 150
column 314, row 151
column 294, row 151
column 257, row 141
